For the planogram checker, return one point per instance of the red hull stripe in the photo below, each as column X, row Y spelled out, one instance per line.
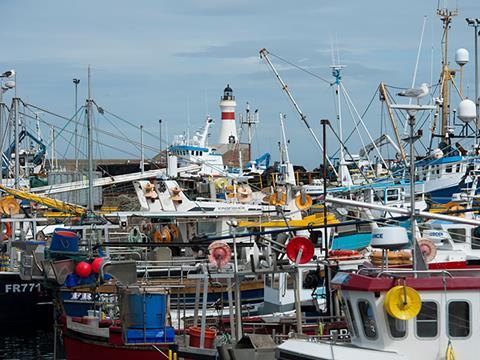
column 228, row 116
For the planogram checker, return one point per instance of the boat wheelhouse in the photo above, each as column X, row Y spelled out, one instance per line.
column 446, row 318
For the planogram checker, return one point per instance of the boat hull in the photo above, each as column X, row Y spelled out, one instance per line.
column 77, row 348
column 24, row 303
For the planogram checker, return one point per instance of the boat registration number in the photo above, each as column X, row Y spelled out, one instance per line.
column 21, row 288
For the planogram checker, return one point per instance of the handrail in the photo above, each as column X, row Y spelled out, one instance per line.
column 407, row 271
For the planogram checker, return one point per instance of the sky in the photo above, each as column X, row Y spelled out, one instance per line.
column 170, row 60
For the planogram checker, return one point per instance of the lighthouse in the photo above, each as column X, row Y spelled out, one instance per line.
column 228, row 130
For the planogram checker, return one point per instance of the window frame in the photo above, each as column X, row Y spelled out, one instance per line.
column 387, row 322
column 351, row 317
column 369, row 338
column 438, row 322
column 447, row 321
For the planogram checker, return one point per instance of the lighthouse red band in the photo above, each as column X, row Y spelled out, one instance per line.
column 228, row 116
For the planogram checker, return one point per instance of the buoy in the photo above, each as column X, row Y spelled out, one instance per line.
column 303, row 201
column 157, row 236
column 150, row 192
column 10, row 206
column 8, row 231
column 450, row 353
column 428, row 249
column 175, row 194
column 221, row 183
column 219, row 253
column 402, row 302
column 83, row 269
column 278, row 198
column 244, row 194
column 167, row 236
column 296, row 244
column 96, row 264
column 174, row 231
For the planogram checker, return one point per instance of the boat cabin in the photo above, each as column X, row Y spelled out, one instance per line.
column 447, row 312
column 453, row 241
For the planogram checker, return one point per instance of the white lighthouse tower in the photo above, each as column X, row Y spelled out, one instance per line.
column 228, row 130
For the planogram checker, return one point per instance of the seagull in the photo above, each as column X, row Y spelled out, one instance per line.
column 415, row 93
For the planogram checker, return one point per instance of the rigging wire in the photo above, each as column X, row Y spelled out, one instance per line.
column 301, row 69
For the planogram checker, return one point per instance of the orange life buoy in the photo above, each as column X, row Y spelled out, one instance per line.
column 8, row 231
column 344, row 254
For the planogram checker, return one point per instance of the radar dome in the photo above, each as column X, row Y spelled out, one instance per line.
column 437, row 154
column 461, row 57
column 391, row 237
column 467, row 110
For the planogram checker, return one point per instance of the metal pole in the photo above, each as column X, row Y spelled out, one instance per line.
column 17, row 145
column 325, row 123
column 1, row 137
column 236, row 278
column 160, row 141
column 298, row 304
column 477, row 100
column 76, row 82
column 411, row 122
column 230, row 307
column 142, row 158
column 90, row 144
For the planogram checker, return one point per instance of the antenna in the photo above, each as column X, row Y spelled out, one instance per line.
column 250, row 120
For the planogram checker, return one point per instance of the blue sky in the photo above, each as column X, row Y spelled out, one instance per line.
column 172, row 59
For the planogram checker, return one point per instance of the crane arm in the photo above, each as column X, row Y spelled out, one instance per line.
column 51, row 203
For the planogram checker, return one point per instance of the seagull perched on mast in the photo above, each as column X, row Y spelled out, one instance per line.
column 415, row 93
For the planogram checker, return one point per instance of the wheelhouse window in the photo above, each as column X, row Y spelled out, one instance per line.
column 397, row 327
column 427, row 320
column 368, row 319
column 458, row 235
column 393, row 195
column 459, row 319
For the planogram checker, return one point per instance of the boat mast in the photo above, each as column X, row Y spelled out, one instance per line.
column 343, row 173
column 384, row 97
column 90, row 143
column 447, row 74
column 17, row 143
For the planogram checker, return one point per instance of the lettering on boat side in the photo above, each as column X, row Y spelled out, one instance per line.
column 84, row 296
column 21, row 288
